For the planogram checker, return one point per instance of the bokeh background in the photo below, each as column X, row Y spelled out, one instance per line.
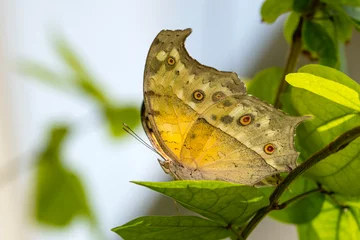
column 112, row 39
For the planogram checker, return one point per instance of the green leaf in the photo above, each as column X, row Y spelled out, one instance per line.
column 272, row 9
column 302, row 5
column 350, row 2
column 354, row 13
column 83, row 79
column 266, row 84
column 43, row 73
column 175, row 228
column 343, row 26
column 302, row 210
column 317, row 39
column 340, row 171
column 117, row 116
column 60, row 196
column 342, row 2
column 332, row 91
column 333, row 114
column 290, row 26
column 334, row 222
column 219, row 201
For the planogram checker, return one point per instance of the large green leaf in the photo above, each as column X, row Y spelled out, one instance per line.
column 175, row 228
column 317, row 40
column 328, row 89
column 60, row 196
column 333, row 223
column 220, row 201
column 304, row 209
column 272, row 9
column 266, row 84
column 333, row 99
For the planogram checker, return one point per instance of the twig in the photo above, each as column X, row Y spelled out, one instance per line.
column 298, row 197
column 295, row 50
column 339, row 143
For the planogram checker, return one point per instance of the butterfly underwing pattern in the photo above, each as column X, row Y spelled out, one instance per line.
column 204, row 124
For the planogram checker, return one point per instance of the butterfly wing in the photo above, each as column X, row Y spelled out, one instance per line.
column 192, row 116
column 241, row 139
column 177, row 89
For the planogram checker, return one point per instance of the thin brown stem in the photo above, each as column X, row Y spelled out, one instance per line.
column 298, row 197
column 295, row 51
column 339, row 143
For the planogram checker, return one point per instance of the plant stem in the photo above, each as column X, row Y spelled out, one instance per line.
column 298, row 197
column 295, row 50
column 339, row 143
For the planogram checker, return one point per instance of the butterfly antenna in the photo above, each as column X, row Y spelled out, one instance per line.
column 137, row 137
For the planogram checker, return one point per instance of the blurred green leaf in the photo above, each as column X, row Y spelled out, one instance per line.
column 60, row 196
column 334, row 222
column 317, row 39
column 83, row 79
column 350, row 2
column 43, row 73
column 117, row 116
column 334, row 108
column 219, row 201
column 272, row 9
column 266, row 84
column 343, row 2
column 342, row 58
column 302, row 210
column 343, row 26
column 303, row 5
column 175, row 228
column 354, row 13
column 290, row 26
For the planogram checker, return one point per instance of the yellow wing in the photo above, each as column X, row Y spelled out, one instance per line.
column 177, row 89
column 229, row 141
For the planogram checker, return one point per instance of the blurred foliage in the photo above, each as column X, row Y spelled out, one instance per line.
column 323, row 203
column 77, row 77
column 271, row 78
column 60, row 195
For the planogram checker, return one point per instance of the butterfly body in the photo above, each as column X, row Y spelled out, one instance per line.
column 203, row 123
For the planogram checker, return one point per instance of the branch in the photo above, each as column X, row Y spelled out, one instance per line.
column 295, row 50
column 298, row 197
column 338, row 144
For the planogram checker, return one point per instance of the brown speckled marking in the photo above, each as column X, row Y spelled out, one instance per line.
column 193, row 136
column 213, row 117
column 155, row 64
column 227, row 103
column 227, row 119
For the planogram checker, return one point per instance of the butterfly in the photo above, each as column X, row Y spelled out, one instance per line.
column 204, row 124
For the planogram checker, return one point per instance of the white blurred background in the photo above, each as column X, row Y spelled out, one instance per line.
column 112, row 38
